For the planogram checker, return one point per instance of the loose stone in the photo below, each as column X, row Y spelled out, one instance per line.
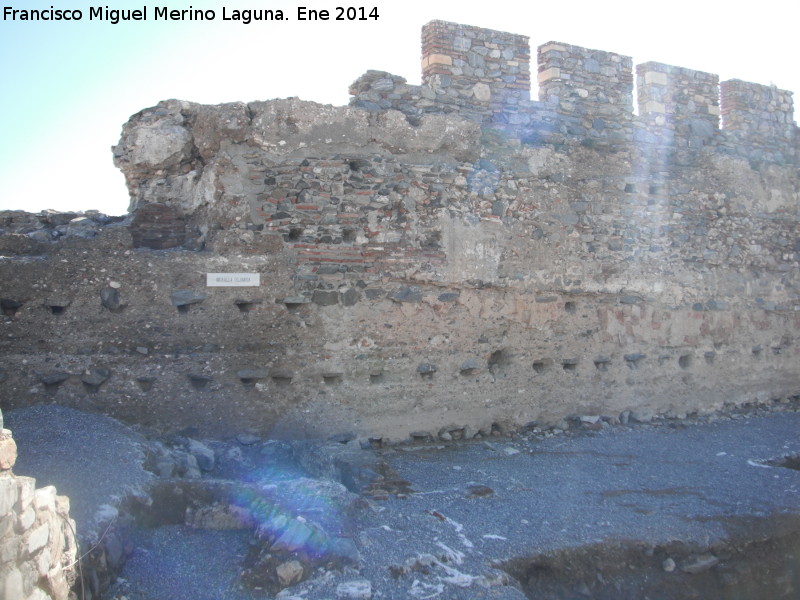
column 355, row 590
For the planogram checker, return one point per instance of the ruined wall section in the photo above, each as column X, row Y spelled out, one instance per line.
column 428, row 264
column 498, row 325
column 415, row 279
column 38, row 548
column 381, row 198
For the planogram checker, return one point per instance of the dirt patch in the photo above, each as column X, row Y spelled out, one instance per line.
column 791, row 461
column 761, row 562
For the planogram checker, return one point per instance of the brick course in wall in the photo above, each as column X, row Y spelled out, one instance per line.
column 158, row 226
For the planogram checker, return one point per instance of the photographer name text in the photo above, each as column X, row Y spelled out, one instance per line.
column 246, row 16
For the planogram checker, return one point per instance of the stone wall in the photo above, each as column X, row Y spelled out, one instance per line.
column 429, row 261
column 677, row 102
column 585, row 96
column 38, row 547
column 486, row 69
column 760, row 117
column 586, row 82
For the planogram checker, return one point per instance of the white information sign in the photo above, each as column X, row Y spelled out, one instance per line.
column 233, row 279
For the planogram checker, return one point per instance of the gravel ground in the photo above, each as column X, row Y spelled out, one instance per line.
column 182, row 563
column 474, row 507
column 93, row 459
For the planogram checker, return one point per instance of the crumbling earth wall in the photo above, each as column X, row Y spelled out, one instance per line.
column 442, row 259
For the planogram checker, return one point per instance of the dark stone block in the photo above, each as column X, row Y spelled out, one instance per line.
column 9, row 307
column 110, row 298
column 96, row 376
column 252, row 374
column 469, row 365
column 406, row 294
column 54, row 378
column 449, row 296
column 351, row 297
column 145, row 383
column 199, row 382
column 186, row 297
column 325, row 297
column 427, row 369
column 634, row 359
column 329, row 269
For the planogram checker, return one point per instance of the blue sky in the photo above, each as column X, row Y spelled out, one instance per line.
column 68, row 87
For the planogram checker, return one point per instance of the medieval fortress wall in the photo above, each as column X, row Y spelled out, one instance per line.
column 443, row 259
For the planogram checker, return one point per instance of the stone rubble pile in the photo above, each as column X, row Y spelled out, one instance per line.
column 23, row 233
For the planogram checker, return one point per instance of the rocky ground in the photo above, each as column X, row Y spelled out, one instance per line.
column 665, row 510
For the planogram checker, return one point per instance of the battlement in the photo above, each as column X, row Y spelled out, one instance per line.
column 487, row 68
column 690, row 98
column 759, row 115
column 584, row 94
column 570, row 73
